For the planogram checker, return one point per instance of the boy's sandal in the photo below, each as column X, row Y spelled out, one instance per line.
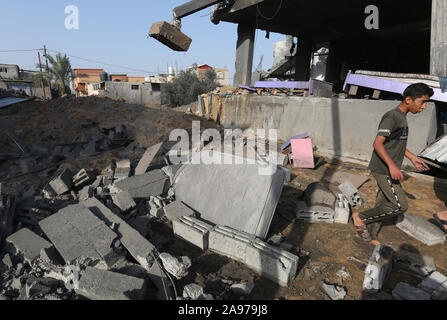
column 363, row 233
column 441, row 223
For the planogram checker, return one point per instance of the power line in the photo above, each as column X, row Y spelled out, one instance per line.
column 103, row 63
column 23, row 50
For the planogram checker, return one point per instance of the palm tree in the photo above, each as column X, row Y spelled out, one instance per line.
column 60, row 70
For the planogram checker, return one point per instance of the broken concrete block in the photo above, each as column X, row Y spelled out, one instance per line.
column 177, row 267
column 275, row 264
column 192, row 230
column 413, row 263
column 229, row 242
column 122, row 170
column 170, row 36
column 81, row 178
column 378, row 269
column 147, row 158
column 85, row 193
column 79, row 235
column 155, row 209
column 317, row 194
column 277, row 158
column 334, row 292
column 254, row 194
column 7, row 211
column 48, row 192
column 315, row 213
column 192, row 291
column 243, row 289
column 138, row 246
column 26, row 245
column 433, row 282
column 421, row 229
column 342, row 209
column 124, row 201
column 177, row 209
column 63, row 182
column 6, row 262
column 160, row 279
column 403, row 291
column 97, row 284
column 351, row 193
column 171, row 171
column 153, row 183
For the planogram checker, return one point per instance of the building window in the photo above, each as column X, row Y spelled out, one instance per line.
column 4, row 70
column 135, row 87
column 220, row 75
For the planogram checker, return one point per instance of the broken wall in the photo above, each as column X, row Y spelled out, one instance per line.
column 340, row 127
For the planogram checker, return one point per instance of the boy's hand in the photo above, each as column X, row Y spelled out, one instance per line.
column 419, row 164
column 396, row 174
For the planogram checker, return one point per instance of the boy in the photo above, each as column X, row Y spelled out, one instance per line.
column 390, row 147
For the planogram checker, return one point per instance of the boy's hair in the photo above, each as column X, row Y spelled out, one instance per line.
column 418, row 90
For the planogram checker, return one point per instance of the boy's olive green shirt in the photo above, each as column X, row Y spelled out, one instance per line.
column 394, row 127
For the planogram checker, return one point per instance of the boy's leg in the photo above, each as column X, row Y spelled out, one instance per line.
column 374, row 228
column 394, row 201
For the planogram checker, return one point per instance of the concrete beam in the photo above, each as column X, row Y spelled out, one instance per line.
column 243, row 4
column 438, row 47
column 244, row 54
column 192, row 7
column 303, row 59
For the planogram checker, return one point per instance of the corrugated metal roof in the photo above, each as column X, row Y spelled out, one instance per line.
column 437, row 151
column 4, row 102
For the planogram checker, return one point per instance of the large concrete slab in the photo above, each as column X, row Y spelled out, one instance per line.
column 26, row 244
column 177, row 209
column 97, row 284
column 254, row 196
column 147, row 158
column 138, row 246
column 421, row 229
column 153, row 183
column 78, row 234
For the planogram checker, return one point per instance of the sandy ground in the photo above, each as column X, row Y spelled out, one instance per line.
column 323, row 248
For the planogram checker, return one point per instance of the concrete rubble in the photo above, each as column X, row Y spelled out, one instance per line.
column 192, row 230
column 351, row 193
column 421, row 229
column 378, row 269
column 403, row 291
column 342, row 209
column 334, row 292
column 435, row 285
column 192, row 291
column 177, row 267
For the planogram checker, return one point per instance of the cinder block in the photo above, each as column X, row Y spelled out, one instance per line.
column 351, row 193
column 192, row 230
column 403, row 291
column 421, row 229
column 63, row 182
column 78, row 234
column 124, row 201
column 342, row 209
column 433, row 282
column 275, row 264
column 153, row 183
column 81, row 178
column 177, row 209
column 138, row 246
column 229, row 242
column 97, row 284
column 170, row 36
column 378, row 269
column 26, row 244
column 314, row 214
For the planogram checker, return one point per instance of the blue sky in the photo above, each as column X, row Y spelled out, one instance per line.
column 115, row 32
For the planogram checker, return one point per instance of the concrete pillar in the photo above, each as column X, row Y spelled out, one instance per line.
column 438, row 47
column 244, row 53
column 303, row 58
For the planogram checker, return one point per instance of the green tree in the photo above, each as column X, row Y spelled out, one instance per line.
column 60, row 71
column 187, row 87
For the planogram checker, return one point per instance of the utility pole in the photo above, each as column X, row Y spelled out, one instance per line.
column 41, row 77
column 48, row 71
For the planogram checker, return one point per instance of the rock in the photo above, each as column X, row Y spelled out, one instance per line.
column 243, row 289
column 334, row 292
column 192, row 291
column 177, row 267
column 276, row 239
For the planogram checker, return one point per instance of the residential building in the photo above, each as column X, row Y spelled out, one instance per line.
column 222, row 75
column 9, row 71
column 118, row 77
column 28, row 82
column 83, row 77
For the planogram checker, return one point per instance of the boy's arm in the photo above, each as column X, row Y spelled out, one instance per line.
column 379, row 147
column 417, row 162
